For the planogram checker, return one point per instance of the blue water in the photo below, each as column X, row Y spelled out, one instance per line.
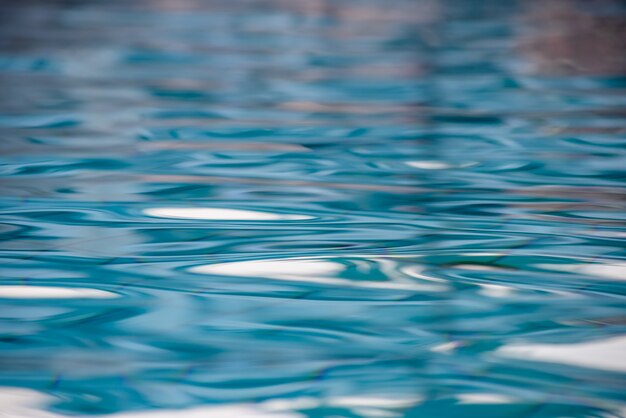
column 351, row 208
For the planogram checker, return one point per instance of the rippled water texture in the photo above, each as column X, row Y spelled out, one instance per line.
column 312, row 208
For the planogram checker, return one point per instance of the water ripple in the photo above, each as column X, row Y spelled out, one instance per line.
column 312, row 208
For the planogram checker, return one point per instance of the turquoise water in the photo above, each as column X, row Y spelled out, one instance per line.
column 312, row 209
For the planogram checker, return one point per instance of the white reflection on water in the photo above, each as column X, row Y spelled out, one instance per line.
column 22, row 403
column 221, row 214
column 484, row 398
column 605, row 354
column 225, row 411
column 495, row 290
column 308, row 270
column 374, row 402
column 50, row 292
column 288, row 269
column 478, row 267
column 429, row 165
column 362, row 406
column 27, row 403
column 437, row 165
column 611, row 271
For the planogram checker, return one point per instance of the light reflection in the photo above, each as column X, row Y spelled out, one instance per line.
column 446, row 348
column 438, row 165
column 221, row 214
column 374, row 401
column 484, row 398
column 20, row 403
column 611, row 271
column 605, row 354
column 224, row 146
column 310, row 270
column 50, row 292
column 23, row 403
column 479, row 267
column 429, row 165
column 495, row 290
column 293, row 269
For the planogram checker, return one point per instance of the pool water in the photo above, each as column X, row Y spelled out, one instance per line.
column 315, row 208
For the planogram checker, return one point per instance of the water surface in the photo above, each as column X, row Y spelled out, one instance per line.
column 353, row 208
